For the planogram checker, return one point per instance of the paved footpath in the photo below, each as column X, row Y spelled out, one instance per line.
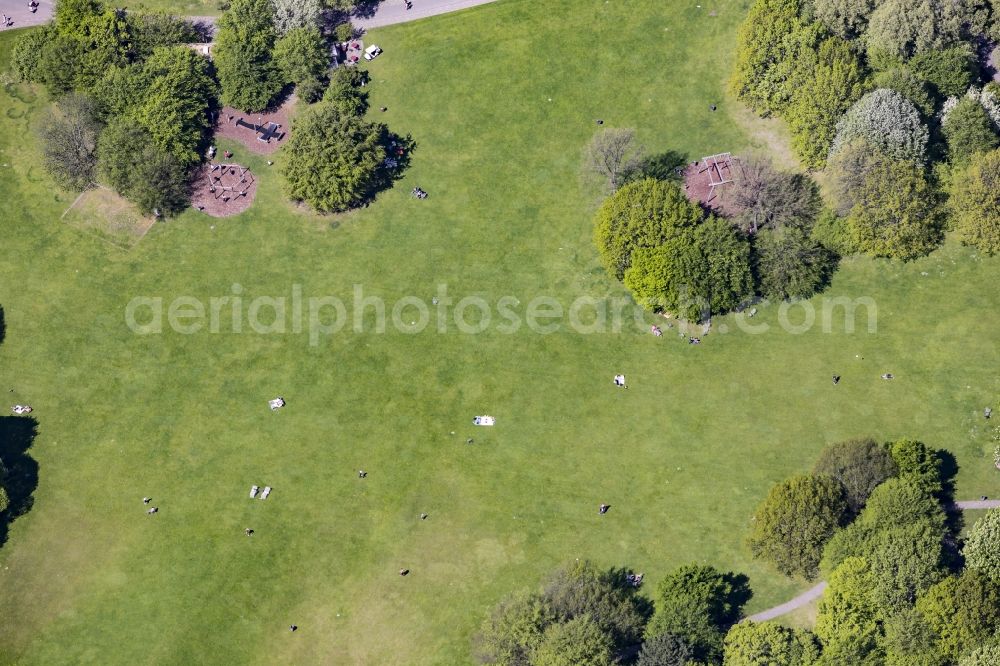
column 395, row 11
column 23, row 17
column 389, row 12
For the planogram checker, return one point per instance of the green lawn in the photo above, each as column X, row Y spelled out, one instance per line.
column 682, row 456
column 179, row 7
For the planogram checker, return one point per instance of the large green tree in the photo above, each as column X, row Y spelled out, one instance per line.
column 845, row 18
column 301, row 55
column 249, row 76
column 176, row 105
column 794, row 522
column 131, row 164
column 963, row 610
column 665, row 650
column 578, row 642
column 898, row 503
column 896, row 212
column 849, row 620
column 911, row 641
column 826, row 92
column 771, row 42
column 514, row 629
column 581, row 589
column 697, row 604
column 968, row 130
column 788, row 263
column 642, row 214
column 919, row 464
column 948, row 71
column 860, row 465
column 982, row 547
column 974, row 202
column 698, row 272
column 769, row 644
column 331, row 162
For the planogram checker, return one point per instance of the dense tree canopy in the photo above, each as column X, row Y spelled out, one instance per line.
column 249, row 77
column 770, row 43
column 860, row 465
column 514, row 629
column 893, row 210
column 665, row 650
column 823, row 94
column 795, row 521
column 175, row 107
column 897, row 503
column 580, row 617
column 697, row 604
column 643, row 214
column 578, row 642
column 131, row 164
column 982, row 547
column 849, row 621
column 331, row 161
column 769, row 644
column 910, row 641
column 847, row 19
column 788, row 263
column 948, row 71
column 301, row 54
column 919, row 464
column 968, row 130
column 964, row 612
column 695, row 272
column 346, row 92
column 910, row 85
column 580, row 589
column 887, row 121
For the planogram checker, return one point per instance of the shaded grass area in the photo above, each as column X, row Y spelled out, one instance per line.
column 683, row 456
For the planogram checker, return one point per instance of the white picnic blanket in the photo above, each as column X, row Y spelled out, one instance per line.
column 485, row 420
column 277, row 403
column 21, row 409
column 253, row 491
column 265, row 492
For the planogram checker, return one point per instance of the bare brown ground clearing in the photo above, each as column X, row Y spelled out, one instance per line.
column 226, row 126
column 698, row 188
column 223, row 202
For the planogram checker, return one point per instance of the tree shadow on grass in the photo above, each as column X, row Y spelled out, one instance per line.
column 668, row 165
column 399, row 154
column 20, row 470
column 3, row 326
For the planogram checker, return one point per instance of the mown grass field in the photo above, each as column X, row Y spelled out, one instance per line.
column 682, row 456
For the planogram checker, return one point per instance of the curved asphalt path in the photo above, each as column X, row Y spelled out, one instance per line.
column 816, row 592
